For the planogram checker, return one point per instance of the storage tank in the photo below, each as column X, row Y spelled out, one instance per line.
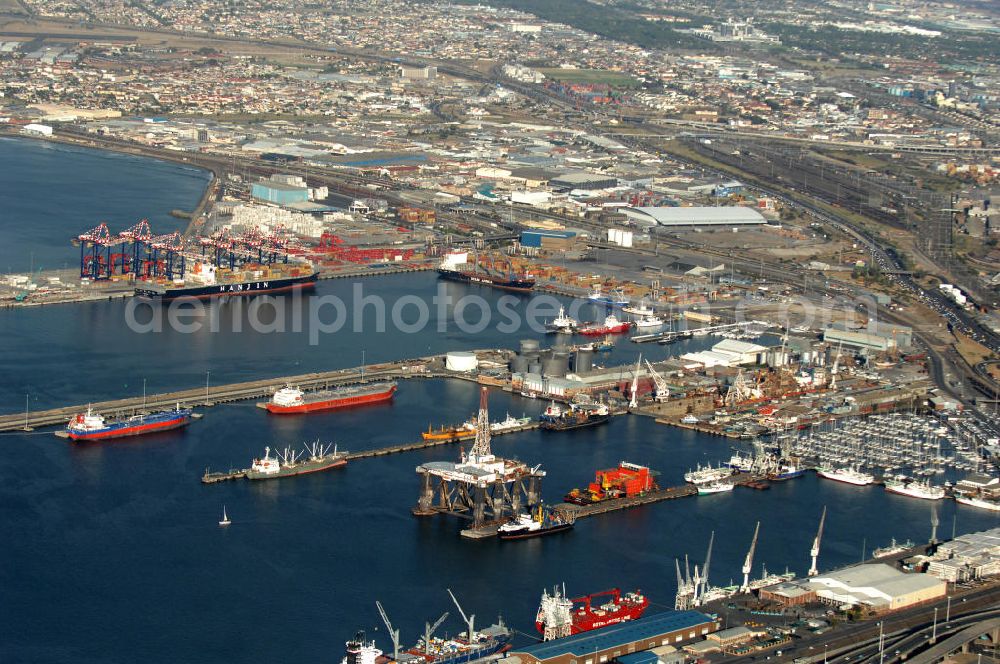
column 584, row 361
column 461, row 361
column 535, row 368
column 556, row 366
column 528, row 346
column 519, row 364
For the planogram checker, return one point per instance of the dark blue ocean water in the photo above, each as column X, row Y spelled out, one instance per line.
column 111, row 552
column 52, row 193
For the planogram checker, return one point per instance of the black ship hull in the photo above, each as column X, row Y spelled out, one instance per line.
column 566, row 425
column 541, row 532
column 515, row 284
column 244, row 289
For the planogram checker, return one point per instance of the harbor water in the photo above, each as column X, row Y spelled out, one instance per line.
column 113, row 552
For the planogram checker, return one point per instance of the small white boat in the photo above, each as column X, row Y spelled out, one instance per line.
column 649, row 321
column 225, row 517
column 690, row 419
column 714, row 487
column 640, row 310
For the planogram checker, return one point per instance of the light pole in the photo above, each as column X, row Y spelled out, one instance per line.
column 26, row 427
column 207, row 374
column 934, row 630
column 881, row 641
column 947, row 613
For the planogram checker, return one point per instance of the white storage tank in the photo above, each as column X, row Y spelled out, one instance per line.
column 463, row 361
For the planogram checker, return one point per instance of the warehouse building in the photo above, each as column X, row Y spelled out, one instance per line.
column 971, row 556
column 279, row 192
column 856, row 339
column 878, row 587
column 608, row 643
column 583, row 181
column 694, row 216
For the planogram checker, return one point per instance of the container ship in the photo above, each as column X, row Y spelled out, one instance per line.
column 290, row 400
column 542, row 522
column 611, row 325
column 846, row 475
column 456, row 267
column 316, row 458
column 207, row 281
column 625, row 481
column 559, row 616
column 93, row 426
column 576, row 416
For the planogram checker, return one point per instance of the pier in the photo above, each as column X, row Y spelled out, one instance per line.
column 202, row 397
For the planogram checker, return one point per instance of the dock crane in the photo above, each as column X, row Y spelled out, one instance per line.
column 393, row 633
column 814, row 552
column 704, row 569
column 662, row 391
column 429, row 630
column 470, row 621
column 836, row 367
column 748, row 563
column 633, row 401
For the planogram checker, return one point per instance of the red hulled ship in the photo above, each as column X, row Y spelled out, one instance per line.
column 611, row 325
column 560, row 616
column 290, row 400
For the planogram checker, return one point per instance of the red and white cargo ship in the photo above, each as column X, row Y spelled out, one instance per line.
column 611, row 325
column 559, row 616
column 291, row 400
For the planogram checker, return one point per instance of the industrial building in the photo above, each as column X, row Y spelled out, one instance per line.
column 857, row 339
column 603, row 645
column 694, row 216
column 971, row 556
column 728, row 353
column 584, row 181
column 879, row 587
column 279, row 192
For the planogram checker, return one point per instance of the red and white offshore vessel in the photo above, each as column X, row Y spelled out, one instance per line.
column 611, row 325
column 560, row 616
column 289, row 400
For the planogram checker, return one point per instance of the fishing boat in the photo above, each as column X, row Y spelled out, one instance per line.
column 509, row 424
column 846, row 475
column 639, row 310
column 924, row 490
column 648, row 321
column 981, row 503
column 616, row 299
column 542, row 522
column 714, row 487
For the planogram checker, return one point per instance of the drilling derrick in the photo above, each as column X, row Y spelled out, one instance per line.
column 481, row 487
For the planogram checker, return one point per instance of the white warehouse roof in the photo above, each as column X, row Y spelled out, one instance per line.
column 695, row 216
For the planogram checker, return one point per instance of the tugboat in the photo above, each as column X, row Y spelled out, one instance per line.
column 543, row 522
column 94, row 426
column 578, row 415
column 562, row 323
column 559, row 616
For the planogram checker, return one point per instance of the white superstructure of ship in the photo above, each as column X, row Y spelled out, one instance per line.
column 847, row 475
column 563, row 323
column 509, row 423
column 924, row 490
column 707, row 474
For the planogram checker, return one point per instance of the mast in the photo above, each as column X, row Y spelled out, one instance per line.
column 814, row 552
column 748, row 563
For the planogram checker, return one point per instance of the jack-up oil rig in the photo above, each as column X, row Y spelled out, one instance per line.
column 481, row 487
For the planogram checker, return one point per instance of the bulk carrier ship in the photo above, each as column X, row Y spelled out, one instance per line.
column 290, row 400
column 207, row 281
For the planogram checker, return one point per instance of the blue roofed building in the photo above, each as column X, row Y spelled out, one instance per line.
column 615, row 641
